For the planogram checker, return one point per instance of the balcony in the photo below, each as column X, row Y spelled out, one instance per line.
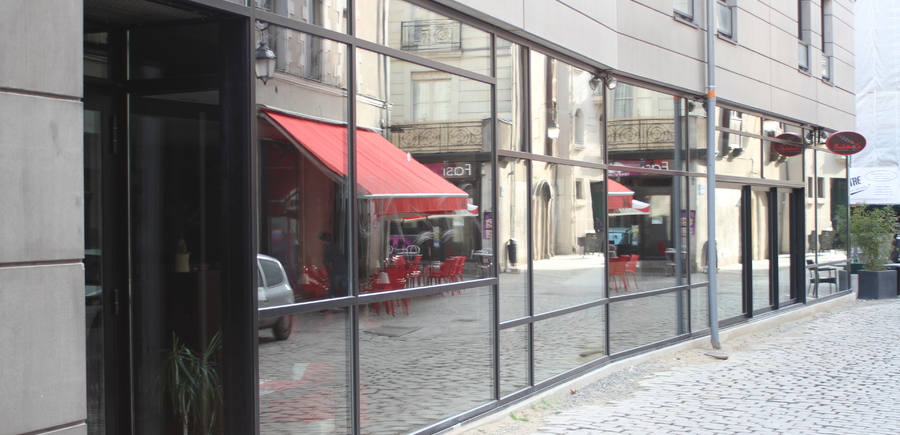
column 443, row 137
column 641, row 134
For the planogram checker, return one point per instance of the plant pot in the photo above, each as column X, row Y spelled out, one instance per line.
column 183, row 263
column 877, row 285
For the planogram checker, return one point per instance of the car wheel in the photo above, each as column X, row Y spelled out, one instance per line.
column 282, row 328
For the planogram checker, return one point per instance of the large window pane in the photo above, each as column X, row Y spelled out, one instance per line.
column 760, row 248
column 729, row 248
column 304, row 381
column 638, row 322
column 424, row 176
column 330, row 14
column 649, row 232
column 784, row 203
column 511, row 61
column 414, row 29
column 512, row 234
column 738, row 154
column 788, row 163
column 648, row 128
column 419, row 369
column 514, row 359
column 567, row 250
column 304, row 196
column 558, row 347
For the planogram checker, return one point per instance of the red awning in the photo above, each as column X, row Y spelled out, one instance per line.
column 619, row 196
column 397, row 183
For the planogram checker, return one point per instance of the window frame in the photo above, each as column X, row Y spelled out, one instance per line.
column 681, row 14
column 728, row 5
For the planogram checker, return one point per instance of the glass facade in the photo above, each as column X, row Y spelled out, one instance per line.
column 446, row 218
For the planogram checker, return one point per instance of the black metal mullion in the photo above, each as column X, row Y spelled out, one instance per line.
column 773, row 247
column 747, row 250
column 239, row 326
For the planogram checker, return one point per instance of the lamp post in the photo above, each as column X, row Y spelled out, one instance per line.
column 265, row 62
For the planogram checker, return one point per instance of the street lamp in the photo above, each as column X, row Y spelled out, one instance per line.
column 265, row 62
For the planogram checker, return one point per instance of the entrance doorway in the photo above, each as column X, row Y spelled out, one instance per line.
column 154, row 162
column 756, row 263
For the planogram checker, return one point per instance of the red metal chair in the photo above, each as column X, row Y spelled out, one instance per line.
column 414, row 270
column 398, row 278
column 617, row 269
column 631, row 267
column 445, row 272
column 380, row 282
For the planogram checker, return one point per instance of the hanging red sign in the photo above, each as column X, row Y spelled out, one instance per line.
column 845, row 143
column 788, row 150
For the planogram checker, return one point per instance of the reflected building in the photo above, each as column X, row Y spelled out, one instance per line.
column 469, row 206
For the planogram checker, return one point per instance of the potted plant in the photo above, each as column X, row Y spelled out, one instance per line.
column 190, row 380
column 871, row 231
column 182, row 220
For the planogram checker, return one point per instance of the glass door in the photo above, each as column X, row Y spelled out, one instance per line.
column 730, row 249
column 761, row 261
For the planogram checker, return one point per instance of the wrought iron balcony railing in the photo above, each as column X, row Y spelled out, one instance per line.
column 431, row 35
column 447, row 137
column 640, row 134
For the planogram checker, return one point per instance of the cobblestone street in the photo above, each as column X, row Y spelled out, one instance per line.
column 834, row 373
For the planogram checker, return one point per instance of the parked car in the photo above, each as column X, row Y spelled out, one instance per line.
column 273, row 290
column 624, row 239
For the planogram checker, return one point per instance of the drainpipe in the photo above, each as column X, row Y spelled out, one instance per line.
column 712, row 259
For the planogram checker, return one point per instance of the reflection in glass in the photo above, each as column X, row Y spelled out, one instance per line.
column 761, row 261
column 405, row 26
column 513, row 359
column 567, row 250
column 424, row 176
column 93, row 270
column 637, row 322
column 647, row 243
column 784, row 200
column 512, row 233
column 558, row 347
column 699, row 309
column 566, row 109
column 729, row 248
column 330, row 14
column 648, row 129
column 304, row 385
column 511, row 106
column 779, row 159
column 304, row 198
column 437, row 362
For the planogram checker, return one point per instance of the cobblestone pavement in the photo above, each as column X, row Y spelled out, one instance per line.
column 835, row 373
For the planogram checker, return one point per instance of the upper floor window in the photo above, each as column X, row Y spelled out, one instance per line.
column 431, row 96
column 684, row 8
column 724, row 19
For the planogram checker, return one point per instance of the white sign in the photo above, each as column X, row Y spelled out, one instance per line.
column 874, row 185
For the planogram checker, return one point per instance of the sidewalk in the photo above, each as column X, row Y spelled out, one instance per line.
column 836, row 372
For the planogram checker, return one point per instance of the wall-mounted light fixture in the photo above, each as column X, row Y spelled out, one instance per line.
column 552, row 125
column 611, row 83
column 817, row 136
column 265, row 62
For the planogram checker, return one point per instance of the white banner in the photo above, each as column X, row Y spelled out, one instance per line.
column 874, row 185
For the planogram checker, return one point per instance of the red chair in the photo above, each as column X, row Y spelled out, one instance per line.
column 445, row 273
column 631, row 267
column 617, row 269
column 398, row 277
column 414, row 271
column 458, row 268
column 380, row 282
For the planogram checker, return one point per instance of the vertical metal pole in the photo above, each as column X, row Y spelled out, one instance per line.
column 713, row 262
